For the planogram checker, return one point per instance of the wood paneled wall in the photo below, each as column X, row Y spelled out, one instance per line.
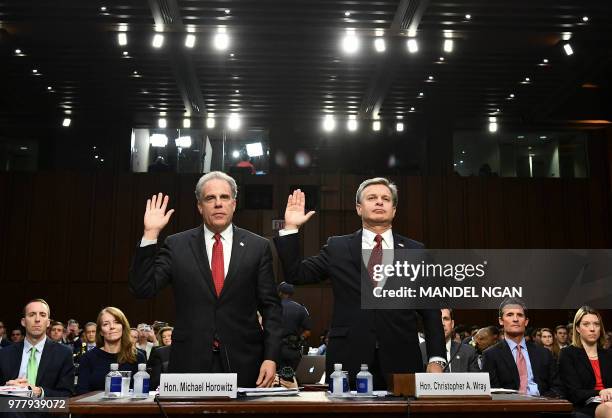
column 69, row 237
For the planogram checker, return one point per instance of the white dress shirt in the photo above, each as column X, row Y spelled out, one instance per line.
column 27, row 346
column 227, row 239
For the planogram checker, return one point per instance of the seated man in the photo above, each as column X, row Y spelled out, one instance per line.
column 158, row 364
column 484, row 338
column 516, row 364
column 38, row 362
column 461, row 357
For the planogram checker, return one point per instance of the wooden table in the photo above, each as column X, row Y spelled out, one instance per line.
column 319, row 405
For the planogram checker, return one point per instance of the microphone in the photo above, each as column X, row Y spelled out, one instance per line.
column 451, row 358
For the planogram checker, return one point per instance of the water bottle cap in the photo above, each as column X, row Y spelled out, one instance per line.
column 114, row 366
column 142, row 367
column 364, row 367
column 338, row 366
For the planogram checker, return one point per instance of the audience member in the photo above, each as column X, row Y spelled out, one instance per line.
column 144, row 338
column 514, row 363
column 460, row 357
column 86, row 343
column 586, row 367
column 165, row 336
column 16, row 335
column 158, row 364
column 561, row 335
column 324, row 340
column 296, row 328
column 56, row 332
column 113, row 345
column 549, row 342
column 4, row 341
column 536, row 336
column 134, row 335
column 608, row 344
column 38, row 362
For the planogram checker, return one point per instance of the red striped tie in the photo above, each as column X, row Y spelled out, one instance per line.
column 217, row 266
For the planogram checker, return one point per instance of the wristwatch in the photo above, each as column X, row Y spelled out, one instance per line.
column 439, row 363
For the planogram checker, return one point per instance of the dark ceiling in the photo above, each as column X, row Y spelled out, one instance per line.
column 285, row 60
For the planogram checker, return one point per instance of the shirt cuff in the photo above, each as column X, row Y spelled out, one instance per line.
column 146, row 242
column 283, row 232
column 432, row 359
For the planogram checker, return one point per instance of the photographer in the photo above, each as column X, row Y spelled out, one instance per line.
column 146, row 338
column 296, row 328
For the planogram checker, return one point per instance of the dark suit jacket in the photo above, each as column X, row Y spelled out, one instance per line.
column 355, row 332
column 499, row 363
column 577, row 374
column 201, row 316
column 158, row 364
column 4, row 342
column 55, row 370
column 464, row 358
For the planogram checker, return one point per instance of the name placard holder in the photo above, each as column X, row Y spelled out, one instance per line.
column 441, row 385
column 198, row 385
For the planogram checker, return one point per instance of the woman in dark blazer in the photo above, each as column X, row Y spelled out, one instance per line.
column 113, row 345
column 586, row 367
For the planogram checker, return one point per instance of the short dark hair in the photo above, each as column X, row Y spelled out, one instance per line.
column 512, row 301
column 493, row 330
column 56, row 323
column 451, row 313
column 558, row 327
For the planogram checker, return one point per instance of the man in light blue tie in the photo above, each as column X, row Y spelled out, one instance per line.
column 38, row 363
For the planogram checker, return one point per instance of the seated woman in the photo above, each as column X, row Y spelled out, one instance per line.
column 113, row 345
column 160, row 356
column 586, row 367
column 550, row 342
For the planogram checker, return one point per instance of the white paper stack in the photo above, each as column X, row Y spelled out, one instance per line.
column 279, row 391
column 15, row 391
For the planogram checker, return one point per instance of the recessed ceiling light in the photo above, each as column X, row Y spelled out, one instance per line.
column 448, row 45
column 511, row 96
column 49, row 88
column 413, row 46
column 35, row 71
column 103, row 8
column 122, row 38
column 468, row 16
column 421, row 94
column 568, row 49
column 18, row 51
column 585, row 19
column 232, row 54
column 66, row 122
column 158, row 40
column 441, row 59
column 237, row 91
column 125, row 53
column 545, row 60
column 190, row 40
column 347, row 13
column 543, row 136
column 350, row 42
column 412, row 109
column 520, row 137
column 227, row 11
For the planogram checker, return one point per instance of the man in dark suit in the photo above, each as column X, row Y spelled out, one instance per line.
column 4, row 341
column 221, row 276
column 38, row 362
column 158, row 364
column 461, row 357
column 385, row 339
column 514, row 363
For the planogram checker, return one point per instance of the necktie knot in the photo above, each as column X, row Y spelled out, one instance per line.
column 378, row 239
column 217, row 237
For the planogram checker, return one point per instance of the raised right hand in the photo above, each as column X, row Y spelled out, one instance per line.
column 294, row 213
column 155, row 217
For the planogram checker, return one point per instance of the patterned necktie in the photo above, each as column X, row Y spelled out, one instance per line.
column 218, row 268
column 32, row 370
column 521, row 364
column 375, row 258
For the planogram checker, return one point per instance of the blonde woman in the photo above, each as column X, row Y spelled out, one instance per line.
column 586, row 367
column 113, row 345
column 550, row 342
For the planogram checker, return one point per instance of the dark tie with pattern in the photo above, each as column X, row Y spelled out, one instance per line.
column 375, row 257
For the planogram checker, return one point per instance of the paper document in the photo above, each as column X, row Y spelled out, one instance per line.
column 15, row 391
column 279, row 391
column 502, row 390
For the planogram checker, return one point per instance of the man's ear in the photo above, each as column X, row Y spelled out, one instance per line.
column 358, row 209
column 500, row 321
column 199, row 207
column 23, row 322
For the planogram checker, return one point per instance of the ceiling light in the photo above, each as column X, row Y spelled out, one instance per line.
column 236, row 91
column 236, row 154
column 190, row 40
column 585, row 19
column 254, row 150
column 568, row 49
column 186, row 123
column 210, row 121
column 545, row 60
column 103, row 8
column 162, row 123
column 66, row 122
column 351, row 125
column 18, row 52
column 421, row 95
column 448, row 45
column 183, row 141
column 379, row 32
column 566, row 36
column 543, row 137
column 350, row 42
column 511, row 96
column 158, row 40
column 430, row 79
column 412, row 109
column 492, row 124
column 158, row 140
column 227, row 11
column 520, row 137
column 376, row 126
column 347, row 14
column 379, row 45
column 34, row 71
column 125, row 53
column 329, row 124
column 49, row 88
column 221, row 39
column 468, row 16
column 122, row 38
column 234, row 122
column 399, row 126
column 413, row 46
column 527, row 79
column 441, row 59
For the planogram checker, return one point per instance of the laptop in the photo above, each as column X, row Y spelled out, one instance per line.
column 310, row 370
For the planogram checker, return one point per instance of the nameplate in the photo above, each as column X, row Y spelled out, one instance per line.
column 198, row 385
column 452, row 385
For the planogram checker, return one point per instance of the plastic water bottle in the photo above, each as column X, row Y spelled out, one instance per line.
column 112, row 386
column 364, row 381
column 336, row 381
column 141, row 382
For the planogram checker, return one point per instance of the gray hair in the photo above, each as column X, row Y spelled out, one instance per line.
column 512, row 301
column 377, row 180
column 216, row 175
